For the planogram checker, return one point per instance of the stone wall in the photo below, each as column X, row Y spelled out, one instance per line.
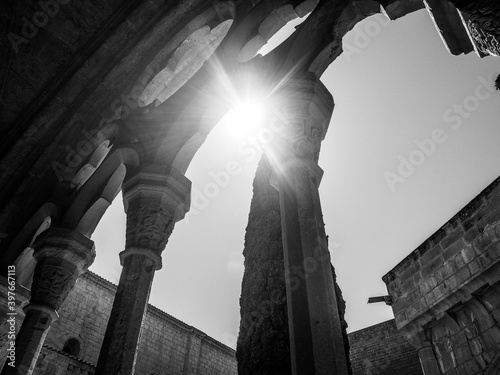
column 382, row 350
column 446, row 293
column 55, row 362
column 168, row 345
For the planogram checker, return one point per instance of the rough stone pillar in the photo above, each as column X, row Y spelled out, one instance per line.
column 483, row 21
column 62, row 256
column 155, row 199
column 316, row 344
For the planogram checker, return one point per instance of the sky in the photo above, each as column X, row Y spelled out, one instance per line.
column 414, row 137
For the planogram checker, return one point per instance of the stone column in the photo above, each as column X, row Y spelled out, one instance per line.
column 155, row 199
column 62, row 256
column 483, row 22
column 316, row 345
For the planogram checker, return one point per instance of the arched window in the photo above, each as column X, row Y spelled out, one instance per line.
column 72, row 347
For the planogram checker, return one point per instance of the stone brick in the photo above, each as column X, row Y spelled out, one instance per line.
column 427, row 284
column 468, row 253
column 409, row 271
column 452, row 237
column 457, row 279
column 493, row 214
column 399, row 305
column 381, row 349
column 430, row 255
column 408, row 285
column 164, row 339
column 431, row 267
column 443, row 272
column 457, row 262
column 438, row 236
column 453, row 249
column 471, row 234
column 475, row 267
column 484, row 240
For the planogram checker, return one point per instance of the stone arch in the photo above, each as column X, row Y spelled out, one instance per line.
column 87, row 154
column 354, row 13
column 185, row 61
column 31, row 229
column 95, row 196
column 25, row 263
column 491, row 299
column 72, row 347
column 92, row 164
column 187, row 152
column 177, row 147
column 480, row 327
column 214, row 15
column 441, row 336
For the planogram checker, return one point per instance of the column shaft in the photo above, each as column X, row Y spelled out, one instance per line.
column 316, row 341
column 62, row 256
column 315, row 327
column 155, row 198
column 119, row 348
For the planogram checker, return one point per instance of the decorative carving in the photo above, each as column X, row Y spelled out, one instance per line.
column 62, row 255
column 51, row 284
column 304, row 138
column 149, row 224
column 304, row 110
column 484, row 25
column 155, row 198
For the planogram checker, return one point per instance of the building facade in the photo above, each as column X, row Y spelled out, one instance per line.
column 446, row 293
column 167, row 345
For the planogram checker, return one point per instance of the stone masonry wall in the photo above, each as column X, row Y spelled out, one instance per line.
column 446, row 292
column 168, row 345
column 382, row 350
column 84, row 316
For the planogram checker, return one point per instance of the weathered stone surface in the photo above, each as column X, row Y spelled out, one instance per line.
column 168, row 343
column 318, row 346
column 483, row 23
column 154, row 200
column 62, row 256
column 381, row 349
column 263, row 342
column 457, row 305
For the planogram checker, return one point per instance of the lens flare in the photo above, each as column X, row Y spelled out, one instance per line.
column 245, row 118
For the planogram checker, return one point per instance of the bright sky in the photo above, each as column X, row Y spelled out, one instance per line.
column 398, row 87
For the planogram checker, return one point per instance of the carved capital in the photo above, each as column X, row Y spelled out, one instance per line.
column 155, row 199
column 62, row 256
column 484, row 24
column 304, row 106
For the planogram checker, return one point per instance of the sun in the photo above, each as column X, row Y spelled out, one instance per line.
column 245, row 118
